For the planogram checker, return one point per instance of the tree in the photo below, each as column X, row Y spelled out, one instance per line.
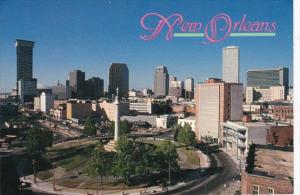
column 99, row 162
column 37, row 140
column 186, row 135
column 124, row 164
column 90, row 127
column 125, row 127
column 166, row 153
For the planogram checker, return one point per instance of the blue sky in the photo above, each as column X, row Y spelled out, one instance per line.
column 90, row 35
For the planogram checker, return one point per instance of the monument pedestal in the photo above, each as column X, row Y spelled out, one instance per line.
column 110, row 146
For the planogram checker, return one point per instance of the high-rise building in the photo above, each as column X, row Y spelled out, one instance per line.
column 77, row 82
column 46, row 101
column 61, row 92
column 217, row 102
column 24, row 71
column 269, row 77
column 118, row 78
column 27, row 90
column 257, row 94
column 231, row 64
column 176, row 88
column 189, row 88
column 161, row 81
column 94, row 88
column 24, row 59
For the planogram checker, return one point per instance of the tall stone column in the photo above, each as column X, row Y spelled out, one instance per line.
column 117, row 116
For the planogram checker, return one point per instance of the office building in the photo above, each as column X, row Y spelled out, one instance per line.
column 147, row 92
column 24, row 71
column 78, row 110
column 216, row 102
column 161, row 81
column 265, row 78
column 27, row 90
column 231, row 64
column 46, row 101
column 189, row 88
column 24, row 59
column 259, row 94
column 141, row 107
column 77, row 82
column 61, row 92
column 37, row 104
column 176, row 88
column 94, row 88
column 118, row 78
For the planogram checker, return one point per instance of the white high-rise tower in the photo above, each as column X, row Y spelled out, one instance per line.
column 231, row 64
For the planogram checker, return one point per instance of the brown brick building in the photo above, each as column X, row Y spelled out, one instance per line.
column 280, row 136
column 269, row 170
column 281, row 112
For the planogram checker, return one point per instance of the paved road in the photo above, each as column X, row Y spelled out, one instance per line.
column 225, row 169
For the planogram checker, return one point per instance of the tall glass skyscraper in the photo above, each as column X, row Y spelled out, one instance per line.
column 231, row 64
column 26, row 85
column 269, row 77
column 118, row 78
column 77, row 82
column 24, row 59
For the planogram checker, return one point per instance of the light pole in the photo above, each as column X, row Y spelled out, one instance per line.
column 169, row 172
column 34, row 178
column 54, row 166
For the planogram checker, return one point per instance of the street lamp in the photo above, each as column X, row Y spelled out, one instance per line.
column 34, row 178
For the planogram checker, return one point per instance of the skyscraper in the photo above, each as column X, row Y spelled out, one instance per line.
column 24, row 59
column 161, row 81
column 94, row 88
column 77, row 82
column 26, row 85
column 216, row 102
column 231, row 64
column 189, row 88
column 269, row 77
column 118, row 78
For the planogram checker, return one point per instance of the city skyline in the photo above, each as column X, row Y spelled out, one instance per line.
column 92, row 49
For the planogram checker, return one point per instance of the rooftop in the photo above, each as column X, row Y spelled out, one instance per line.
column 271, row 162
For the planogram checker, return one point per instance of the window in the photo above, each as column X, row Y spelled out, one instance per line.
column 255, row 189
column 271, row 191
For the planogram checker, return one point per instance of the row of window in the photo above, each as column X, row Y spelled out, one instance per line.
column 256, row 190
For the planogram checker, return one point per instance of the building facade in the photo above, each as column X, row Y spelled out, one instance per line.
column 258, row 94
column 118, row 78
column 269, row 170
column 79, row 109
column 216, row 102
column 141, row 106
column 191, row 121
column 94, row 88
column 269, row 77
column 77, row 82
column 231, row 64
column 27, row 90
column 61, row 92
column 46, row 101
column 161, row 81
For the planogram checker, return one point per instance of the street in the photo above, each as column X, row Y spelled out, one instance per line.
column 227, row 171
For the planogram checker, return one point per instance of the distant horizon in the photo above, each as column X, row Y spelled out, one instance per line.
column 89, row 36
